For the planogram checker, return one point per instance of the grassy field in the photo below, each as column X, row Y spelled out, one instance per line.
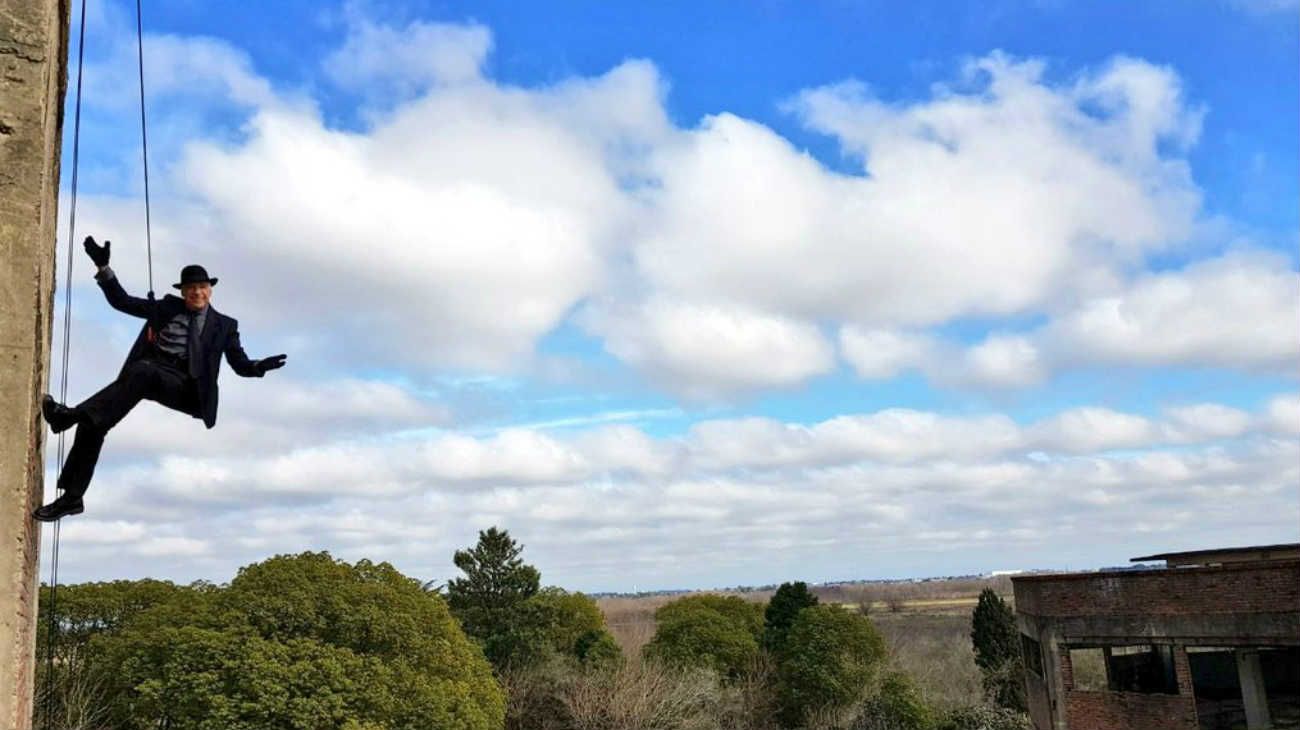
column 926, row 626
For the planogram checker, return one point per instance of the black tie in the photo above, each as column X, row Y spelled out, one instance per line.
column 192, row 342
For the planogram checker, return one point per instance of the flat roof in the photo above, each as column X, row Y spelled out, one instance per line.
column 1218, row 551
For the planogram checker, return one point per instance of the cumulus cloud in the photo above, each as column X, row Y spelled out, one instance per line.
column 412, row 57
column 467, row 219
column 1283, row 414
column 1237, row 311
column 1004, row 198
column 1087, row 430
column 706, row 351
column 613, row 504
column 881, row 354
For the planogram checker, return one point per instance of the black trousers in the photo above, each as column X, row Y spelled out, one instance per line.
column 153, row 380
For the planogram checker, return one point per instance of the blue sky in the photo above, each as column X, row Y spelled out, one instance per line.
column 692, row 294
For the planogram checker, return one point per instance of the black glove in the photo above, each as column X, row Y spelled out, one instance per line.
column 274, row 362
column 98, row 254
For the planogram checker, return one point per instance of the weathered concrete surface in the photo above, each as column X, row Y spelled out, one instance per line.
column 33, row 71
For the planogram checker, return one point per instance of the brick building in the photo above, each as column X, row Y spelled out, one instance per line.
column 1211, row 640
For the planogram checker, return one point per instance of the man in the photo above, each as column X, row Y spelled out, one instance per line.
column 174, row 362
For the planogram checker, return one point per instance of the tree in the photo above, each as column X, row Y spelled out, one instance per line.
column 786, row 603
column 828, row 661
column 492, row 600
column 71, row 695
column 295, row 642
column 575, row 626
column 996, row 643
column 720, row 633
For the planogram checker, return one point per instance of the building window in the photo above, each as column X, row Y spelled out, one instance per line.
column 1088, row 669
column 1033, row 653
column 1144, row 668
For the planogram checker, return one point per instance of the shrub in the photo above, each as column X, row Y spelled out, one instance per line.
column 983, row 717
column 897, row 706
column 829, row 658
column 643, row 695
column 720, row 633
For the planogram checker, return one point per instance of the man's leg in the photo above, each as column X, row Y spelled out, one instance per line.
column 111, row 404
column 79, row 467
column 96, row 415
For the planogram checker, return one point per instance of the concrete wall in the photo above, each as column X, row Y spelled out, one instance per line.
column 33, row 53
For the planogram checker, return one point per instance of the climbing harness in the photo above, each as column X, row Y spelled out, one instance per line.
column 52, row 633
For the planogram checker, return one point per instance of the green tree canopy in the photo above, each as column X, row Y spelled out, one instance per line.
column 828, row 661
column 786, row 603
column 575, row 626
column 721, row 633
column 996, row 642
column 295, row 642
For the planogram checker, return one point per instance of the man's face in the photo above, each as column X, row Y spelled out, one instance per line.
column 196, row 295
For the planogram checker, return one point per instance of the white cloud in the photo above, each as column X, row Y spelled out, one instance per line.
column 412, row 57
column 1001, row 200
column 881, row 354
column 707, row 351
column 1091, row 429
column 1237, row 311
column 1004, row 361
column 1283, row 414
column 1206, row 421
column 613, row 505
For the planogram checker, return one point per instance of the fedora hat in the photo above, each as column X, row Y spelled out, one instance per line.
column 195, row 274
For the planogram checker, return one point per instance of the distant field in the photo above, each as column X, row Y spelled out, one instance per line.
column 925, row 624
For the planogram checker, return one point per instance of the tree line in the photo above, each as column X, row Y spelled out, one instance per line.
column 310, row 642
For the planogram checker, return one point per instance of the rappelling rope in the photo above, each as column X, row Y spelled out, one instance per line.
column 51, row 639
column 52, row 633
column 144, row 137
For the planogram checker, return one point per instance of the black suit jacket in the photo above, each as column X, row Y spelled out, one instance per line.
column 220, row 336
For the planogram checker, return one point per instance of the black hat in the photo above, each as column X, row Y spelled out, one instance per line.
column 195, row 274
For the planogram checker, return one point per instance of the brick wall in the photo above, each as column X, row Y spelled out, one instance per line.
column 1244, row 588
column 1129, row 711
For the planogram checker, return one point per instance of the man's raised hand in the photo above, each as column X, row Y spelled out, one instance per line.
column 98, row 254
column 275, row 362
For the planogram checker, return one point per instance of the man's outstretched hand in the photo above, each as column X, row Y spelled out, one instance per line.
column 274, row 362
column 98, row 254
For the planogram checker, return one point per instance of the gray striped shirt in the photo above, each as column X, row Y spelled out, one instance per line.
column 174, row 337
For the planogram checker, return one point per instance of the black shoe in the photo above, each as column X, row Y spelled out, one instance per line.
column 60, row 417
column 59, row 508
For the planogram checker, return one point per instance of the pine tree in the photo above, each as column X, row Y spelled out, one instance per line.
column 491, row 601
column 786, row 603
column 997, row 650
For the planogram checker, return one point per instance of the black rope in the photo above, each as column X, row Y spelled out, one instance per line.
column 144, row 137
column 51, row 638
